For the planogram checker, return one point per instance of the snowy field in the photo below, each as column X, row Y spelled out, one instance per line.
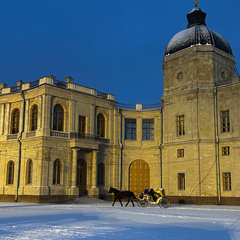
column 95, row 219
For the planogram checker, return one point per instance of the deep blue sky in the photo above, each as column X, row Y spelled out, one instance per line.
column 114, row 46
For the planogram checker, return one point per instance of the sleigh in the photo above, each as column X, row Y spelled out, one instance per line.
column 155, row 196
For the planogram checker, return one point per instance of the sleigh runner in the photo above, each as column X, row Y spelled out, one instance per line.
column 155, row 196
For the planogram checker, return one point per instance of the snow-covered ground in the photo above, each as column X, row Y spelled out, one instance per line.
column 95, row 219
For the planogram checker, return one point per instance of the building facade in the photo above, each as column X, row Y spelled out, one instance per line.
column 60, row 140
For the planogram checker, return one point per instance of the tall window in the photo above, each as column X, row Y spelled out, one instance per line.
column 181, row 181
column 82, row 125
column 148, row 129
column 130, row 129
column 10, row 172
column 15, row 121
column 34, row 118
column 57, row 172
column 100, row 125
column 58, row 118
column 227, row 181
column 29, row 171
column 180, row 125
column 225, row 121
column 101, row 174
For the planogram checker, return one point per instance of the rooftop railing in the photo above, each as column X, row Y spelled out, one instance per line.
column 59, row 83
column 50, row 80
column 139, row 107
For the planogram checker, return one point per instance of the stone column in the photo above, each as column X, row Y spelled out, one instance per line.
column 2, row 119
column 94, row 191
column 94, row 169
column 74, row 167
column 7, row 119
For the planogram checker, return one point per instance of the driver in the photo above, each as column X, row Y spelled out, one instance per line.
column 154, row 195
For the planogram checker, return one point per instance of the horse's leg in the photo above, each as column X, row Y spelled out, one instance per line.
column 120, row 201
column 114, row 201
column 132, row 203
column 127, row 202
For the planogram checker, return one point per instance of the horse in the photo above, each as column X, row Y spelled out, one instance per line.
column 118, row 195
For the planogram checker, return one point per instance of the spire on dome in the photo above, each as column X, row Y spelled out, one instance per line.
column 196, row 3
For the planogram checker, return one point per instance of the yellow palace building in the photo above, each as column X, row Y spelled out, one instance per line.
column 60, row 140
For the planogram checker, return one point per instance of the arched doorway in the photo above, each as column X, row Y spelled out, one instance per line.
column 81, row 176
column 139, row 176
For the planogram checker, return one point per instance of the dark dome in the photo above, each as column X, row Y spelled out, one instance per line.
column 197, row 33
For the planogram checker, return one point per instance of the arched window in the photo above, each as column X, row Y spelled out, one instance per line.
column 15, row 121
column 10, row 172
column 34, row 118
column 100, row 125
column 29, row 171
column 58, row 118
column 57, row 172
column 101, row 174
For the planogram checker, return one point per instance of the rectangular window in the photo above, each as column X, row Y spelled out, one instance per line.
column 180, row 153
column 225, row 121
column 227, row 181
column 130, row 129
column 82, row 125
column 181, row 181
column 180, row 125
column 148, row 129
column 225, row 151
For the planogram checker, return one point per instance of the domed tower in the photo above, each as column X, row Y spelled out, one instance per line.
column 197, row 55
column 198, row 97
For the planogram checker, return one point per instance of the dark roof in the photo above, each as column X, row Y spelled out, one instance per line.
column 197, row 33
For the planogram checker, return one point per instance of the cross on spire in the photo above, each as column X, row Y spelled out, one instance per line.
column 196, row 2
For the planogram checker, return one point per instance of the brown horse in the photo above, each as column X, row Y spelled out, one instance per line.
column 118, row 195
